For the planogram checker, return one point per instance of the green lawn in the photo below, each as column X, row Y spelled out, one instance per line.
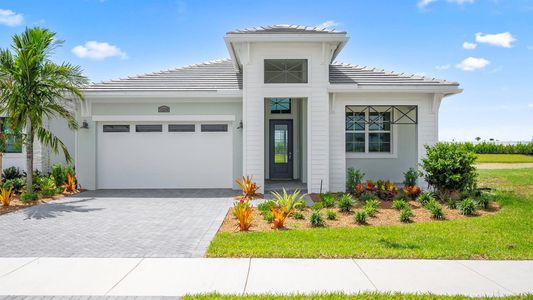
column 506, row 235
column 362, row 296
column 504, row 158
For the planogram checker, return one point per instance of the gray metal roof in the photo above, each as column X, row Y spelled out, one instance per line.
column 340, row 73
column 220, row 75
column 208, row 76
column 284, row 29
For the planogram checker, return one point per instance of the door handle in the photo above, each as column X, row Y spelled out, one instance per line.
column 290, row 155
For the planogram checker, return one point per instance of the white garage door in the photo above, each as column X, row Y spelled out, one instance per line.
column 164, row 155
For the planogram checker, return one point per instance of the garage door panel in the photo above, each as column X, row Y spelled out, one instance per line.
column 165, row 159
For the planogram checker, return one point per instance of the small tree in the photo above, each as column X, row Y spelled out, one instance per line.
column 33, row 89
column 449, row 167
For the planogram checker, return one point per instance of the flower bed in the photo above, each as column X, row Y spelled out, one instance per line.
column 385, row 215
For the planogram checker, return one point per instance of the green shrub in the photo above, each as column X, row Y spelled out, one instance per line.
column 60, row 172
column 365, row 197
column 266, row 206
column 467, row 207
column 268, row 216
column 345, row 203
column 452, row 203
column 331, row 214
column 360, row 217
column 298, row 215
column 353, row 177
column 12, row 173
column 317, row 206
column 399, row 204
column 435, row 209
column 28, row 197
column 16, row 184
column 449, row 167
column 483, row 200
column 46, row 185
column 327, row 199
column 425, row 198
column 370, row 210
column 410, row 177
column 316, row 219
column 406, row 214
column 371, row 207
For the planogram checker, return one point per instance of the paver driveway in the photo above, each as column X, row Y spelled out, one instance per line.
column 128, row 223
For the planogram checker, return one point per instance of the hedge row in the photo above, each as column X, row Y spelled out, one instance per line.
column 493, row 148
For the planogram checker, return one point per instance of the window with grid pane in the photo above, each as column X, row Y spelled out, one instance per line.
column 355, row 132
column 368, row 132
column 13, row 141
column 285, row 70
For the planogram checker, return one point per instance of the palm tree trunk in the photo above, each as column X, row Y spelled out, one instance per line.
column 29, row 158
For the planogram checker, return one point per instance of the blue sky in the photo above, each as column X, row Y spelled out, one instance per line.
column 486, row 45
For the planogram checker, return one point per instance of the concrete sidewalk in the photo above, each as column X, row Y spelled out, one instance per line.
column 180, row 276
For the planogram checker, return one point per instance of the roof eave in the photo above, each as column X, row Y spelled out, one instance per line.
column 412, row 88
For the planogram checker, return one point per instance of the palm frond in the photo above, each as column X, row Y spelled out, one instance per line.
column 48, row 138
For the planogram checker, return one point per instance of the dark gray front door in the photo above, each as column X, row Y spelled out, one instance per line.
column 280, row 149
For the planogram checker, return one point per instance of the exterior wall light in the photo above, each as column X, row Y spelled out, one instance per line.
column 85, row 125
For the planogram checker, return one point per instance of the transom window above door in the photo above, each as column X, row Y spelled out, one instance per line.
column 280, row 105
column 285, row 70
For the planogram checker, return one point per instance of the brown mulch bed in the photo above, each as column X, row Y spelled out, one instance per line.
column 17, row 204
column 386, row 215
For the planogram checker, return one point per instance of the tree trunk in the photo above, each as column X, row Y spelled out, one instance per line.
column 29, row 158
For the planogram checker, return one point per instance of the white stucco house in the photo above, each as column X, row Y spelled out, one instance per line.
column 280, row 108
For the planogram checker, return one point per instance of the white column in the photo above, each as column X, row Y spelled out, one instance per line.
column 318, row 141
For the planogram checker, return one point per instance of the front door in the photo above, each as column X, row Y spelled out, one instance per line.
column 280, row 149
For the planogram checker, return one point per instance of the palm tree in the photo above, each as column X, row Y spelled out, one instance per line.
column 34, row 89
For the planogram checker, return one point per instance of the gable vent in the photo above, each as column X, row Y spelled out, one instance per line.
column 163, row 109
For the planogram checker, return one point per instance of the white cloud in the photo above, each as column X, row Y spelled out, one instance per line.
column 530, row 105
column 472, row 64
column 328, row 24
column 461, row 2
column 98, row 51
column 10, row 18
column 442, row 67
column 530, row 47
column 504, row 39
column 469, row 46
column 424, row 3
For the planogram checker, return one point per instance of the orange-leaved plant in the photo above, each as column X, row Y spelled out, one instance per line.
column 248, row 186
column 6, row 195
column 243, row 212
column 70, row 185
column 285, row 206
column 412, row 192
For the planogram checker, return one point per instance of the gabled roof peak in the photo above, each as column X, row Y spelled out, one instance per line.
column 284, row 29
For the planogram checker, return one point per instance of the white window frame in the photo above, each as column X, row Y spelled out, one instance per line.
column 393, row 134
